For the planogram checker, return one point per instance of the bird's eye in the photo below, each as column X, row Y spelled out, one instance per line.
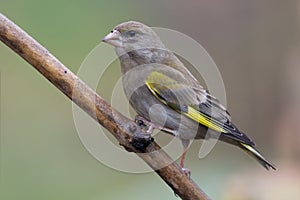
column 131, row 33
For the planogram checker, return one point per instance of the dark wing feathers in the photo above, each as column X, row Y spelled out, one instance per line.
column 195, row 103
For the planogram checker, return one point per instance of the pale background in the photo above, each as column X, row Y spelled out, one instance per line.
column 256, row 46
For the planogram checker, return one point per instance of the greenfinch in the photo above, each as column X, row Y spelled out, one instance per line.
column 166, row 95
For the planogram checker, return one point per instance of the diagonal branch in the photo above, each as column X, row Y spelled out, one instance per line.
column 121, row 127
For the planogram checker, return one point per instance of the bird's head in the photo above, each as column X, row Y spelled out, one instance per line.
column 132, row 35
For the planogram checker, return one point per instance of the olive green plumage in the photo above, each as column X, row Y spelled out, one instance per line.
column 162, row 90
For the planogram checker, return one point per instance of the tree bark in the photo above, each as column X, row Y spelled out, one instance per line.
column 123, row 129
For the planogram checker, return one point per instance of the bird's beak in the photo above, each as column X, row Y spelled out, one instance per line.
column 113, row 38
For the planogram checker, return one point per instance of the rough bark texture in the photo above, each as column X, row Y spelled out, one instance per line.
column 121, row 127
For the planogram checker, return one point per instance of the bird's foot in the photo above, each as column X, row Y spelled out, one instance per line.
column 141, row 140
column 187, row 172
column 144, row 123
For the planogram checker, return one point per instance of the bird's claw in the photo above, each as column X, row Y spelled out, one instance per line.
column 141, row 140
column 187, row 172
column 144, row 123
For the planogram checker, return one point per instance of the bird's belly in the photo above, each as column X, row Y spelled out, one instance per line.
column 149, row 107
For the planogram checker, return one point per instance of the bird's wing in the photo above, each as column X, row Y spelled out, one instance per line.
column 194, row 103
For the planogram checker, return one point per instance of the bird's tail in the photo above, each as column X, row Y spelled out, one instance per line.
column 255, row 154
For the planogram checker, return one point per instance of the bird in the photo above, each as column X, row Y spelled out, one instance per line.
column 166, row 95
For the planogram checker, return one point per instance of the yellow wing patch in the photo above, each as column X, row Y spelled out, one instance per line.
column 157, row 81
column 204, row 120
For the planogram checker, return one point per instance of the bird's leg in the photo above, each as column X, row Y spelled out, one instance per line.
column 185, row 170
column 182, row 159
column 142, row 122
column 185, row 144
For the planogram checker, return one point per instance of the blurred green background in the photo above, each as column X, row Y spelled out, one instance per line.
column 256, row 46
